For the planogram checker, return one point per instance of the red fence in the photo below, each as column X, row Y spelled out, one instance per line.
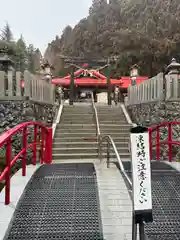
column 169, row 141
column 44, row 142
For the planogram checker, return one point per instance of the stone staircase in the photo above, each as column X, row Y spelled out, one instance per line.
column 113, row 122
column 75, row 136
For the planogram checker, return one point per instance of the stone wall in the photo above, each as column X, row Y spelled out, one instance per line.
column 155, row 113
column 14, row 112
column 17, row 111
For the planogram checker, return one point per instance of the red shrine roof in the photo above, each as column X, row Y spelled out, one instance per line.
column 127, row 81
column 99, row 80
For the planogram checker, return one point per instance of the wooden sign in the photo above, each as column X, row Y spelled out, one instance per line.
column 141, row 173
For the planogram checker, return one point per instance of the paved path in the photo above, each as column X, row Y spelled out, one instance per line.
column 18, row 184
column 115, row 203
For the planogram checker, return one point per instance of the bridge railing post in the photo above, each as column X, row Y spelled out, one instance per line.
column 24, row 159
column 8, row 173
column 150, row 143
column 35, row 145
column 157, row 144
column 170, row 140
column 42, row 146
column 48, row 157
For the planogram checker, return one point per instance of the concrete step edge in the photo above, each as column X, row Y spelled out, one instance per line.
column 86, row 148
column 71, row 154
column 74, row 143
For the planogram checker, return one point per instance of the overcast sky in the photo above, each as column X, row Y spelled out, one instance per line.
column 41, row 20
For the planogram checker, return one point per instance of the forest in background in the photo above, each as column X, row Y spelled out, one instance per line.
column 23, row 56
column 143, row 32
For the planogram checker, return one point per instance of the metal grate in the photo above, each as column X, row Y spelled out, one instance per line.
column 60, row 202
column 166, row 202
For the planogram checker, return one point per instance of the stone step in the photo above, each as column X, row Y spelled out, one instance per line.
column 104, row 131
column 117, row 119
column 111, row 116
column 74, row 156
column 115, row 130
column 74, row 138
column 74, row 126
column 77, row 117
column 108, row 108
column 75, row 121
column 75, row 134
column 81, row 107
column 75, row 150
column 65, row 116
column 86, row 155
column 116, row 134
column 114, row 113
column 86, row 144
column 123, row 125
column 60, row 150
column 105, row 121
column 81, row 117
column 87, row 139
column 77, row 114
column 76, row 130
column 74, row 144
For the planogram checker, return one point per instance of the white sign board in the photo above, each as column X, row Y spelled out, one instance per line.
column 141, row 171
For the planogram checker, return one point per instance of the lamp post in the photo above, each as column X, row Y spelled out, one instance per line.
column 134, row 73
column 71, row 97
column 109, row 83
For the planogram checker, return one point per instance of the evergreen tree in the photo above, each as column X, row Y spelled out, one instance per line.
column 96, row 5
column 6, row 33
column 21, row 53
column 30, row 55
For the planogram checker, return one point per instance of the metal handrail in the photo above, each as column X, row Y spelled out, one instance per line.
column 96, row 117
column 58, row 115
column 110, row 141
column 57, row 119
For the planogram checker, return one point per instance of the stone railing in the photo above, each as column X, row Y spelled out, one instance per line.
column 25, row 97
column 155, row 101
column 149, row 91
column 158, row 88
column 15, row 85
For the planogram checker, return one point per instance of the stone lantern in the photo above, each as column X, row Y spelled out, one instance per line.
column 6, row 64
column 46, row 71
column 134, row 72
column 173, row 67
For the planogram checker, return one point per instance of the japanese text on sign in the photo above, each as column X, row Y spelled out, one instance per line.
column 141, row 171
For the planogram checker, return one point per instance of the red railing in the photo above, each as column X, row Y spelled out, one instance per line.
column 44, row 141
column 169, row 141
